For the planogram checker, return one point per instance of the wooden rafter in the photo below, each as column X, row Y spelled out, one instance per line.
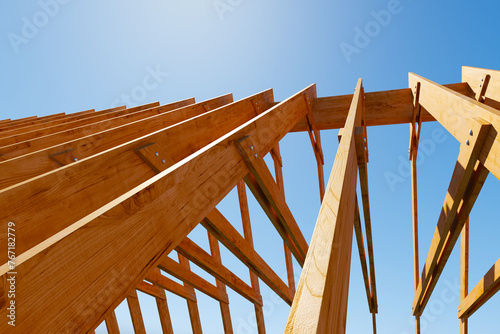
column 320, row 303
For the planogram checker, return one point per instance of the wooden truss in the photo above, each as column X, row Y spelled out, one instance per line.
column 100, row 199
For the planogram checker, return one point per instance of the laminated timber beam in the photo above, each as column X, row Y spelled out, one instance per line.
column 21, row 168
column 100, row 179
column 136, row 226
column 7, row 139
column 382, row 108
column 59, row 138
column 320, row 303
column 475, row 126
column 482, row 292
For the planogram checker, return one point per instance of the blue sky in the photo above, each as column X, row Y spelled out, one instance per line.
column 96, row 54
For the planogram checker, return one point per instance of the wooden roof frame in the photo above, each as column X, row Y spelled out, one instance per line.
column 148, row 175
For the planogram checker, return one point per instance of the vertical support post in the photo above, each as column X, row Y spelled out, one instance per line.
column 278, row 164
column 464, row 273
column 112, row 323
column 224, row 308
column 165, row 320
column 194, row 313
column 135, row 313
column 247, row 230
column 414, row 139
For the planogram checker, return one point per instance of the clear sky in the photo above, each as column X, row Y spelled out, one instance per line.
column 68, row 56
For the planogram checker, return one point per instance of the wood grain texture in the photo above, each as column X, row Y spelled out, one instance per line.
column 30, row 165
column 62, row 137
column 320, row 303
column 135, row 313
column 482, row 292
column 382, row 108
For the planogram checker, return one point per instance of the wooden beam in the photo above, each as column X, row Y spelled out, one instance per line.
column 247, row 232
column 382, row 108
column 462, row 174
column 485, row 83
column 151, row 290
column 187, row 276
column 194, row 312
column 156, row 278
column 112, row 323
column 359, row 138
column 135, row 227
column 320, row 303
column 457, row 112
column 202, row 259
column 217, row 224
column 54, row 140
column 464, row 273
column 163, row 312
column 53, row 121
column 473, row 189
column 362, row 257
column 482, row 292
column 24, row 167
column 100, row 179
column 8, row 139
column 135, row 313
column 224, row 307
column 285, row 225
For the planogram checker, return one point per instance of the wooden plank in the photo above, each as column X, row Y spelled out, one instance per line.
column 31, row 165
column 187, row 276
column 194, row 312
column 285, row 225
column 7, row 138
column 473, row 189
column 151, row 290
column 359, row 141
column 156, row 278
column 54, row 120
column 475, row 77
column 361, row 250
column 482, row 292
column 224, row 307
column 320, row 303
column 132, row 229
column 12, row 125
column 462, row 174
column 135, row 313
column 112, row 323
column 456, row 113
column 59, row 138
column 202, row 259
column 248, row 237
column 278, row 164
column 101, row 178
column 217, row 224
column 464, row 273
column 382, row 108
column 165, row 320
